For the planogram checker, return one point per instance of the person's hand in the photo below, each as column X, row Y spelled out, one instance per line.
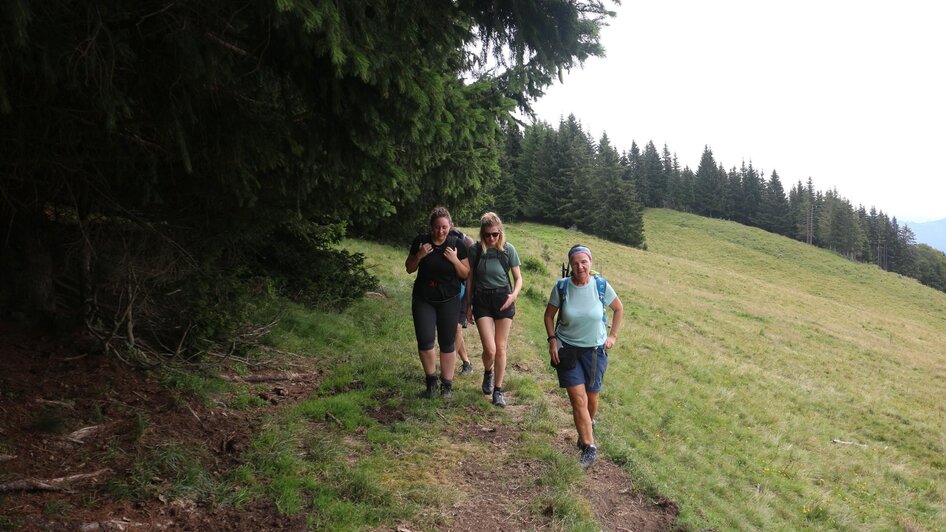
column 451, row 254
column 469, row 313
column 553, row 351
column 510, row 299
column 424, row 250
column 609, row 342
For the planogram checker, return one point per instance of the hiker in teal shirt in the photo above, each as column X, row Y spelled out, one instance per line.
column 578, row 343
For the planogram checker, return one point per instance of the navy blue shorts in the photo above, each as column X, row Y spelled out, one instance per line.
column 589, row 369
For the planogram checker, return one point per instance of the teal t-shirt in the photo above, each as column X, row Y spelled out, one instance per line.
column 489, row 271
column 581, row 324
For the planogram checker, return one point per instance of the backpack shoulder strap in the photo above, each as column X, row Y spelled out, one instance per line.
column 477, row 253
column 602, row 284
column 504, row 261
column 504, row 258
column 602, row 287
column 562, row 286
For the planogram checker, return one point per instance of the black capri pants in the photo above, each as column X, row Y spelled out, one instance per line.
column 440, row 318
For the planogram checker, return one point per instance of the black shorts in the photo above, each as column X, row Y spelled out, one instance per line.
column 486, row 304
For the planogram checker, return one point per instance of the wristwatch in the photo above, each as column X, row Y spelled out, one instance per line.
column 550, row 338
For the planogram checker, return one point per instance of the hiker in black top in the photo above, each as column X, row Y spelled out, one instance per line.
column 466, row 367
column 494, row 284
column 441, row 265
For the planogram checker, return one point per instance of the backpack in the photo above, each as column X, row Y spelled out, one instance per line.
column 562, row 287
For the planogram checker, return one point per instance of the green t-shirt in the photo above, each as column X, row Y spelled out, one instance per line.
column 489, row 272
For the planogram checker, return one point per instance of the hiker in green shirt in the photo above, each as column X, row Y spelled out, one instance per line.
column 493, row 299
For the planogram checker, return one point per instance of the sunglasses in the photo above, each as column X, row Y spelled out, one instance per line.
column 492, row 235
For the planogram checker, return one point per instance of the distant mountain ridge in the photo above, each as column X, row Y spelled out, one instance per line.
column 932, row 234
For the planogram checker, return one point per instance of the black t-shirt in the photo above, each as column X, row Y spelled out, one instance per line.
column 436, row 277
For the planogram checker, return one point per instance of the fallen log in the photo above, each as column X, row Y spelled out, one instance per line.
column 252, row 379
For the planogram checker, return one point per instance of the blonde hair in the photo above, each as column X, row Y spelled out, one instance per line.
column 491, row 219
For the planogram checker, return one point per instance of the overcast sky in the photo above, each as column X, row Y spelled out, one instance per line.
column 851, row 94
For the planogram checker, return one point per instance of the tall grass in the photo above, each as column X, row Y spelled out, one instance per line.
column 743, row 358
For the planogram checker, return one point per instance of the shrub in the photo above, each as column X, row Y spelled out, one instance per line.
column 532, row 264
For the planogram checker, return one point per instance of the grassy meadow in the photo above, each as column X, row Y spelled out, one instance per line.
column 750, row 354
column 758, row 382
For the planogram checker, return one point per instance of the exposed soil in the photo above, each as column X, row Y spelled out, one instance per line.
column 499, row 486
column 51, row 388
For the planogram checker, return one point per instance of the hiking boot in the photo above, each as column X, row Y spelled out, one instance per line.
column 588, row 456
column 487, row 382
column 467, row 369
column 431, row 391
column 498, row 398
column 446, row 389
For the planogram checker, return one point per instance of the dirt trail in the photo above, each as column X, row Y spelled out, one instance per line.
column 499, row 487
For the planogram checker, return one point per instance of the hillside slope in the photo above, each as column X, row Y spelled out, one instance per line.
column 763, row 383
column 758, row 383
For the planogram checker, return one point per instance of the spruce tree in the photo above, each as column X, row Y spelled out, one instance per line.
column 734, row 205
column 753, row 192
column 777, row 216
column 654, row 175
column 508, row 194
column 708, row 186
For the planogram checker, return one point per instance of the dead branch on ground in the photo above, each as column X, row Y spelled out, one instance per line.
column 842, row 442
column 53, row 484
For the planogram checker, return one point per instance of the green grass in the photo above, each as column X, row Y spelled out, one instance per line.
column 742, row 357
column 327, row 457
column 171, row 470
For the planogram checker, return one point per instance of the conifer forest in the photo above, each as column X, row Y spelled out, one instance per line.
column 163, row 164
column 560, row 175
